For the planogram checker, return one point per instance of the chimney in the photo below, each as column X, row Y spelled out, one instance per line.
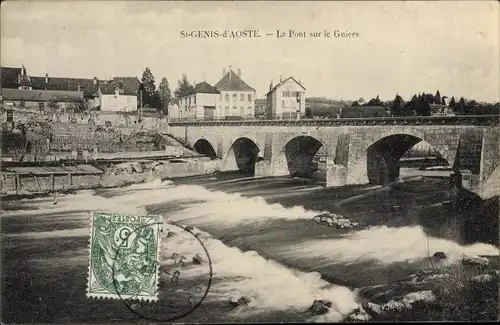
column 223, row 72
column 281, row 77
column 46, row 78
column 271, row 85
column 239, row 73
column 94, row 81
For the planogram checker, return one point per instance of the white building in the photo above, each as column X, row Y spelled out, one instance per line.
column 236, row 98
column 199, row 104
column 115, row 97
column 286, row 99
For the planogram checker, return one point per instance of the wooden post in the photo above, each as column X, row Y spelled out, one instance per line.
column 70, row 178
column 18, row 184
column 52, row 178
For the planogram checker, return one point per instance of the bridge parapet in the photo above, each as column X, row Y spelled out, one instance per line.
column 479, row 120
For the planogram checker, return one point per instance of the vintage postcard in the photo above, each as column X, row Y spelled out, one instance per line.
column 249, row 161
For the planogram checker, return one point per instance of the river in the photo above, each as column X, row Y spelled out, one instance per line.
column 260, row 236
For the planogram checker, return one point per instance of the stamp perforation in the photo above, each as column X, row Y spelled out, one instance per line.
column 134, row 273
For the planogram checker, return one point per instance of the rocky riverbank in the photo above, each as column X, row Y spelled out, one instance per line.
column 122, row 174
column 446, row 288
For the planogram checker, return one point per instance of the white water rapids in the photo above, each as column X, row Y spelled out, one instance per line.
column 272, row 286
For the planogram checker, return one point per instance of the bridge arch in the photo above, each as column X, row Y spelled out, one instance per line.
column 242, row 155
column 204, row 147
column 383, row 155
column 299, row 152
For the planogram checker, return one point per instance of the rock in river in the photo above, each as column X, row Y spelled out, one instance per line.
column 197, row 259
column 475, row 260
column 320, row 307
column 239, row 300
column 439, row 255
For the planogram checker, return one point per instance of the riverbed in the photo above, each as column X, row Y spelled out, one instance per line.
column 259, row 234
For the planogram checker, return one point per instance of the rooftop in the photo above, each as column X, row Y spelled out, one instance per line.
column 231, row 81
column 41, row 95
column 283, row 82
column 205, row 88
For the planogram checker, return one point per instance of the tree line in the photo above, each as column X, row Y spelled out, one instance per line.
column 420, row 105
column 150, row 96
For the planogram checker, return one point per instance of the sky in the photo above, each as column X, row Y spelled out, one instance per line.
column 402, row 47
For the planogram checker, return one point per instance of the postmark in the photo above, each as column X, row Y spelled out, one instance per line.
column 124, row 251
column 185, row 276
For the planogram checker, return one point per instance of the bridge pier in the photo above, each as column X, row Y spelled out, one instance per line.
column 336, row 175
column 361, row 151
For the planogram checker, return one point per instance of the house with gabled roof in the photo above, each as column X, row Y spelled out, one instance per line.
column 286, row 100
column 117, row 94
column 200, row 103
column 237, row 98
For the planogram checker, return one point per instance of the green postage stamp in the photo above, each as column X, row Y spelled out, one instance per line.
column 124, row 251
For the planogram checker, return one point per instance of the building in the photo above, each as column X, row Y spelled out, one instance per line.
column 117, row 94
column 260, row 108
column 114, row 96
column 41, row 100
column 441, row 110
column 200, row 104
column 286, row 99
column 19, row 91
column 236, row 97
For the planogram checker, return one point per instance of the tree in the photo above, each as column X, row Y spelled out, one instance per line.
column 355, row 103
column 164, row 94
column 184, row 87
column 460, row 107
column 424, row 108
column 437, row 98
column 147, row 88
column 397, row 105
column 308, row 112
column 373, row 102
column 452, row 103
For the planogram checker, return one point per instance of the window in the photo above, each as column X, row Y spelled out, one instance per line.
column 249, row 97
column 234, row 107
column 227, row 110
column 235, row 97
column 249, row 108
column 194, row 99
column 283, row 104
column 227, row 97
column 242, row 97
column 286, row 94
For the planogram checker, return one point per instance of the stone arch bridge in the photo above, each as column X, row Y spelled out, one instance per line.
column 357, row 151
